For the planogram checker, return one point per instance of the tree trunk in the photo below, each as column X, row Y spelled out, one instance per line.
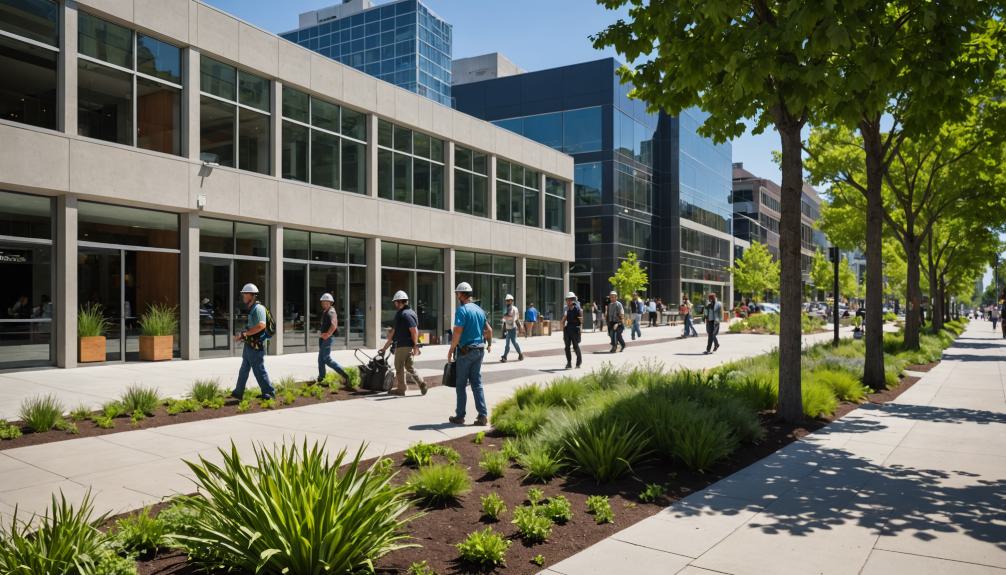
column 935, row 295
column 790, row 284
column 873, row 370
column 913, row 292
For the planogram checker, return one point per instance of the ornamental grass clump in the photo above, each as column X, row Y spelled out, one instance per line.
column 484, row 549
column 64, row 540
column 846, row 387
column 420, row 454
column 91, row 321
column 140, row 533
column 138, row 398
column 494, row 463
column 439, row 484
column 292, row 510
column 159, row 320
column 41, row 413
column 206, row 391
column 540, row 464
column 493, row 506
column 818, row 399
column 700, row 439
column 606, row 451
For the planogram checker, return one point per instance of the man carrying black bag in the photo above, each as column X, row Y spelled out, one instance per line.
column 572, row 325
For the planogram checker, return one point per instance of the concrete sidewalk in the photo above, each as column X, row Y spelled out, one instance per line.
column 130, row 469
column 914, row 486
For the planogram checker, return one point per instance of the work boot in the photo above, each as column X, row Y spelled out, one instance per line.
column 422, row 387
column 716, row 347
column 613, row 348
column 570, row 366
column 456, row 420
column 398, row 392
column 503, row 359
column 481, row 420
column 520, row 357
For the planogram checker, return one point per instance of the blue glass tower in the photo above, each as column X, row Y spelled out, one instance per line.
column 400, row 42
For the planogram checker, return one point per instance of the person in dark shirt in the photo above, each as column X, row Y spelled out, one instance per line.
column 326, row 330
column 404, row 334
column 572, row 326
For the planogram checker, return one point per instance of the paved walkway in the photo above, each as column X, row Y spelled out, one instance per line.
column 130, row 469
column 915, row 486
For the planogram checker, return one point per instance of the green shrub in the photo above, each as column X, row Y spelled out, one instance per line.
column 111, row 563
column 176, row 406
column 112, row 409
column 538, row 560
column 140, row 398
column 267, row 403
column 606, row 451
column 564, row 392
column 818, row 399
column 91, row 321
column 479, row 438
column 600, row 508
column 890, row 317
column 420, row 454
column 64, row 540
column 206, row 391
column 137, row 416
column 159, row 320
column 8, row 430
column 527, row 395
column 737, row 326
column 558, row 509
column 494, row 463
column 510, row 449
column 540, row 464
column 293, row 510
column 80, row 413
column 532, row 526
column 420, row 568
column 605, row 377
column 177, row 520
column 439, row 484
column 66, row 426
column 742, row 420
column 535, row 495
column 700, row 438
column 244, row 405
column 41, row 413
column 103, row 421
column 485, row 549
column 521, row 421
column 652, row 492
column 140, row 533
column 845, row 387
column 493, row 506
column 758, row 390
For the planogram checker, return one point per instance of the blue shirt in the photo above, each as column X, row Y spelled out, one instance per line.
column 256, row 315
column 531, row 314
column 472, row 320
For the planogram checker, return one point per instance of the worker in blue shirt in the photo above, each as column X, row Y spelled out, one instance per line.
column 471, row 339
column 255, row 338
column 530, row 319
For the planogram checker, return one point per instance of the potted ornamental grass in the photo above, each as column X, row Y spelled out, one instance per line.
column 91, row 328
column 157, row 332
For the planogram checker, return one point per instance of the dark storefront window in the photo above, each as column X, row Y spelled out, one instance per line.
column 29, row 86
column 517, row 194
column 323, row 143
column 471, row 182
column 492, row 278
column 544, row 286
column 417, row 270
column 410, row 166
column 234, row 117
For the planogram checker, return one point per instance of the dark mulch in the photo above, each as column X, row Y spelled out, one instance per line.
column 440, row 529
column 922, row 367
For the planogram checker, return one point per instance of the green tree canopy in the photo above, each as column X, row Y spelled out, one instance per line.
column 756, row 272
column 630, row 277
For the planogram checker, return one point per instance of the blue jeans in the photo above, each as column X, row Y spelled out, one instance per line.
column 253, row 360
column 615, row 333
column 636, row 318
column 712, row 329
column 511, row 336
column 690, row 327
column 468, row 370
column 325, row 359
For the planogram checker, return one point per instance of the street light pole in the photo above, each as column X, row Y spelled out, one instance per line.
column 833, row 254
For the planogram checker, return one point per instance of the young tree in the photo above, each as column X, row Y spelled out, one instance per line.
column 756, row 272
column 630, row 277
column 822, row 272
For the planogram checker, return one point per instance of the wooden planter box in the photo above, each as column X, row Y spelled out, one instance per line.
column 91, row 349
column 156, row 347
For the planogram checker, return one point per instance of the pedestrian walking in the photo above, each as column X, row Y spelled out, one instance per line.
column 651, row 308
column 712, row 313
column 994, row 316
column 255, row 336
column 530, row 319
column 1002, row 312
column 468, row 347
column 572, row 327
column 615, row 316
column 685, row 309
column 326, row 329
column 404, row 336
column 599, row 311
column 636, row 315
column 511, row 323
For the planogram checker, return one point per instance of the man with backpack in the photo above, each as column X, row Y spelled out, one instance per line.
column 511, row 323
column 404, row 334
column 471, row 339
column 615, row 316
column 256, row 334
column 329, row 324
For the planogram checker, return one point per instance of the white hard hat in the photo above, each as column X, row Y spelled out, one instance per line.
column 249, row 288
column 463, row 287
column 571, row 295
column 400, row 296
column 327, row 297
column 614, row 293
column 508, row 298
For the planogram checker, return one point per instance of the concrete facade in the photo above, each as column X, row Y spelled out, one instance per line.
column 483, row 67
column 62, row 164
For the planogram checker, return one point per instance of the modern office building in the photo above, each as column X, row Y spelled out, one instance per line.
column 484, row 67
column 645, row 182
column 168, row 153
column 402, row 42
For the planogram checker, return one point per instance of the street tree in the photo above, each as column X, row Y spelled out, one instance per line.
column 756, row 272
column 630, row 277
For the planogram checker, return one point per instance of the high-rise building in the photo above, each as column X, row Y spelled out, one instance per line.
column 402, row 42
column 644, row 182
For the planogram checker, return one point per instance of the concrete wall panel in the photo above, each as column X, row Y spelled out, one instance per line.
column 442, row 121
column 121, row 9
column 406, row 107
column 34, row 159
column 294, row 64
column 326, row 80
column 295, row 202
column 422, row 228
column 396, row 219
column 328, row 210
column 424, row 121
column 111, row 171
column 259, row 197
column 385, row 94
column 360, row 215
column 259, row 50
column 220, row 188
column 168, row 17
column 218, row 33
column 358, row 89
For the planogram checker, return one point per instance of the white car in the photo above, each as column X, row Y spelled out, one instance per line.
column 769, row 307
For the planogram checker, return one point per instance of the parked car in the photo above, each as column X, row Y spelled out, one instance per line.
column 769, row 307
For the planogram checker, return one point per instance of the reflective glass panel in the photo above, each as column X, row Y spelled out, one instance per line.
column 25, row 216
column 295, row 244
column 251, row 239
column 34, row 19
column 216, row 236
column 216, row 131
column 295, row 138
column 253, row 141
column 158, row 59
column 324, row 159
column 104, row 103
column 105, row 41
column 158, row 117
column 28, row 91
column 253, row 91
column 217, row 78
column 296, row 105
column 127, row 226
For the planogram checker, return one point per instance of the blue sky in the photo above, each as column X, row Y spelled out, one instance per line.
column 535, row 34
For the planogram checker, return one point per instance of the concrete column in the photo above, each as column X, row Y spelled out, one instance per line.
column 372, row 155
column 521, row 287
column 276, row 287
column 67, row 64
column 492, row 187
column 449, row 177
column 565, row 280
column 190, row 104
column 189, row 295
column 450, row 282
column 372, row 317
column 570, row 209
column 541, row 200
column 277, row 129
column 65, row 317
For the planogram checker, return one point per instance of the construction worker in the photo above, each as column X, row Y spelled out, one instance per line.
column 255, row 337
column 471, row 340
column 326, row 329
column 511, row 325
column 572, row 326
column 404, row 335
column 616, row 318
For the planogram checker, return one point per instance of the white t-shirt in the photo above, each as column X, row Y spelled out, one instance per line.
column 510, row 317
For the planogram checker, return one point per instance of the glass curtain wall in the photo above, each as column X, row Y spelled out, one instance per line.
column 471, row 182
column 128, row 259
column 419, row 271
column 129, row 87
column 544, row 287
column 323, row 143
column 231, row 254
column 517, row 194
column 555, row 205
column 26, row 304
column 313, row 264
column 29, row 51
column 234, row 117
column 492, row 278
column 570, row 131
column 410, row 166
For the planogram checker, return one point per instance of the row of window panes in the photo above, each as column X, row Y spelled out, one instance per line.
column 545, row 268
column 632, row 138
column 516, row 194
column 321, row 247
column 696, row 242
column 33, row 98
column 571, row 131
column 555, row 205
column 233, row 238
column 377, row 14
column 471, row 182
column 633, row 233
column 771, row 203
column 633, row 188
column 395, row 255
column 484, row 263
column 235, row 127
column 409, row 166
column 315, row 153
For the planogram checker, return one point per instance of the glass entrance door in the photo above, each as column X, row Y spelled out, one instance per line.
column 327, row 279
column 99, row 281
column 26, row 306
column 215, row 304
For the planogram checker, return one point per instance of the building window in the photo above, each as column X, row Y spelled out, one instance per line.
column 555, row 205
column 491, row 278
column 633, row 188
column 323, row 143
column 544, row 286
column 129, row 87
column 410, row 166
column 29, row 50
column 517, row 194
column 571, row 131
column 234, row 117
column 471, row 182
column 587, row 184
column 417, row 270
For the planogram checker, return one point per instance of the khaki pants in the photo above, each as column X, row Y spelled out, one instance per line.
column 404, row 368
